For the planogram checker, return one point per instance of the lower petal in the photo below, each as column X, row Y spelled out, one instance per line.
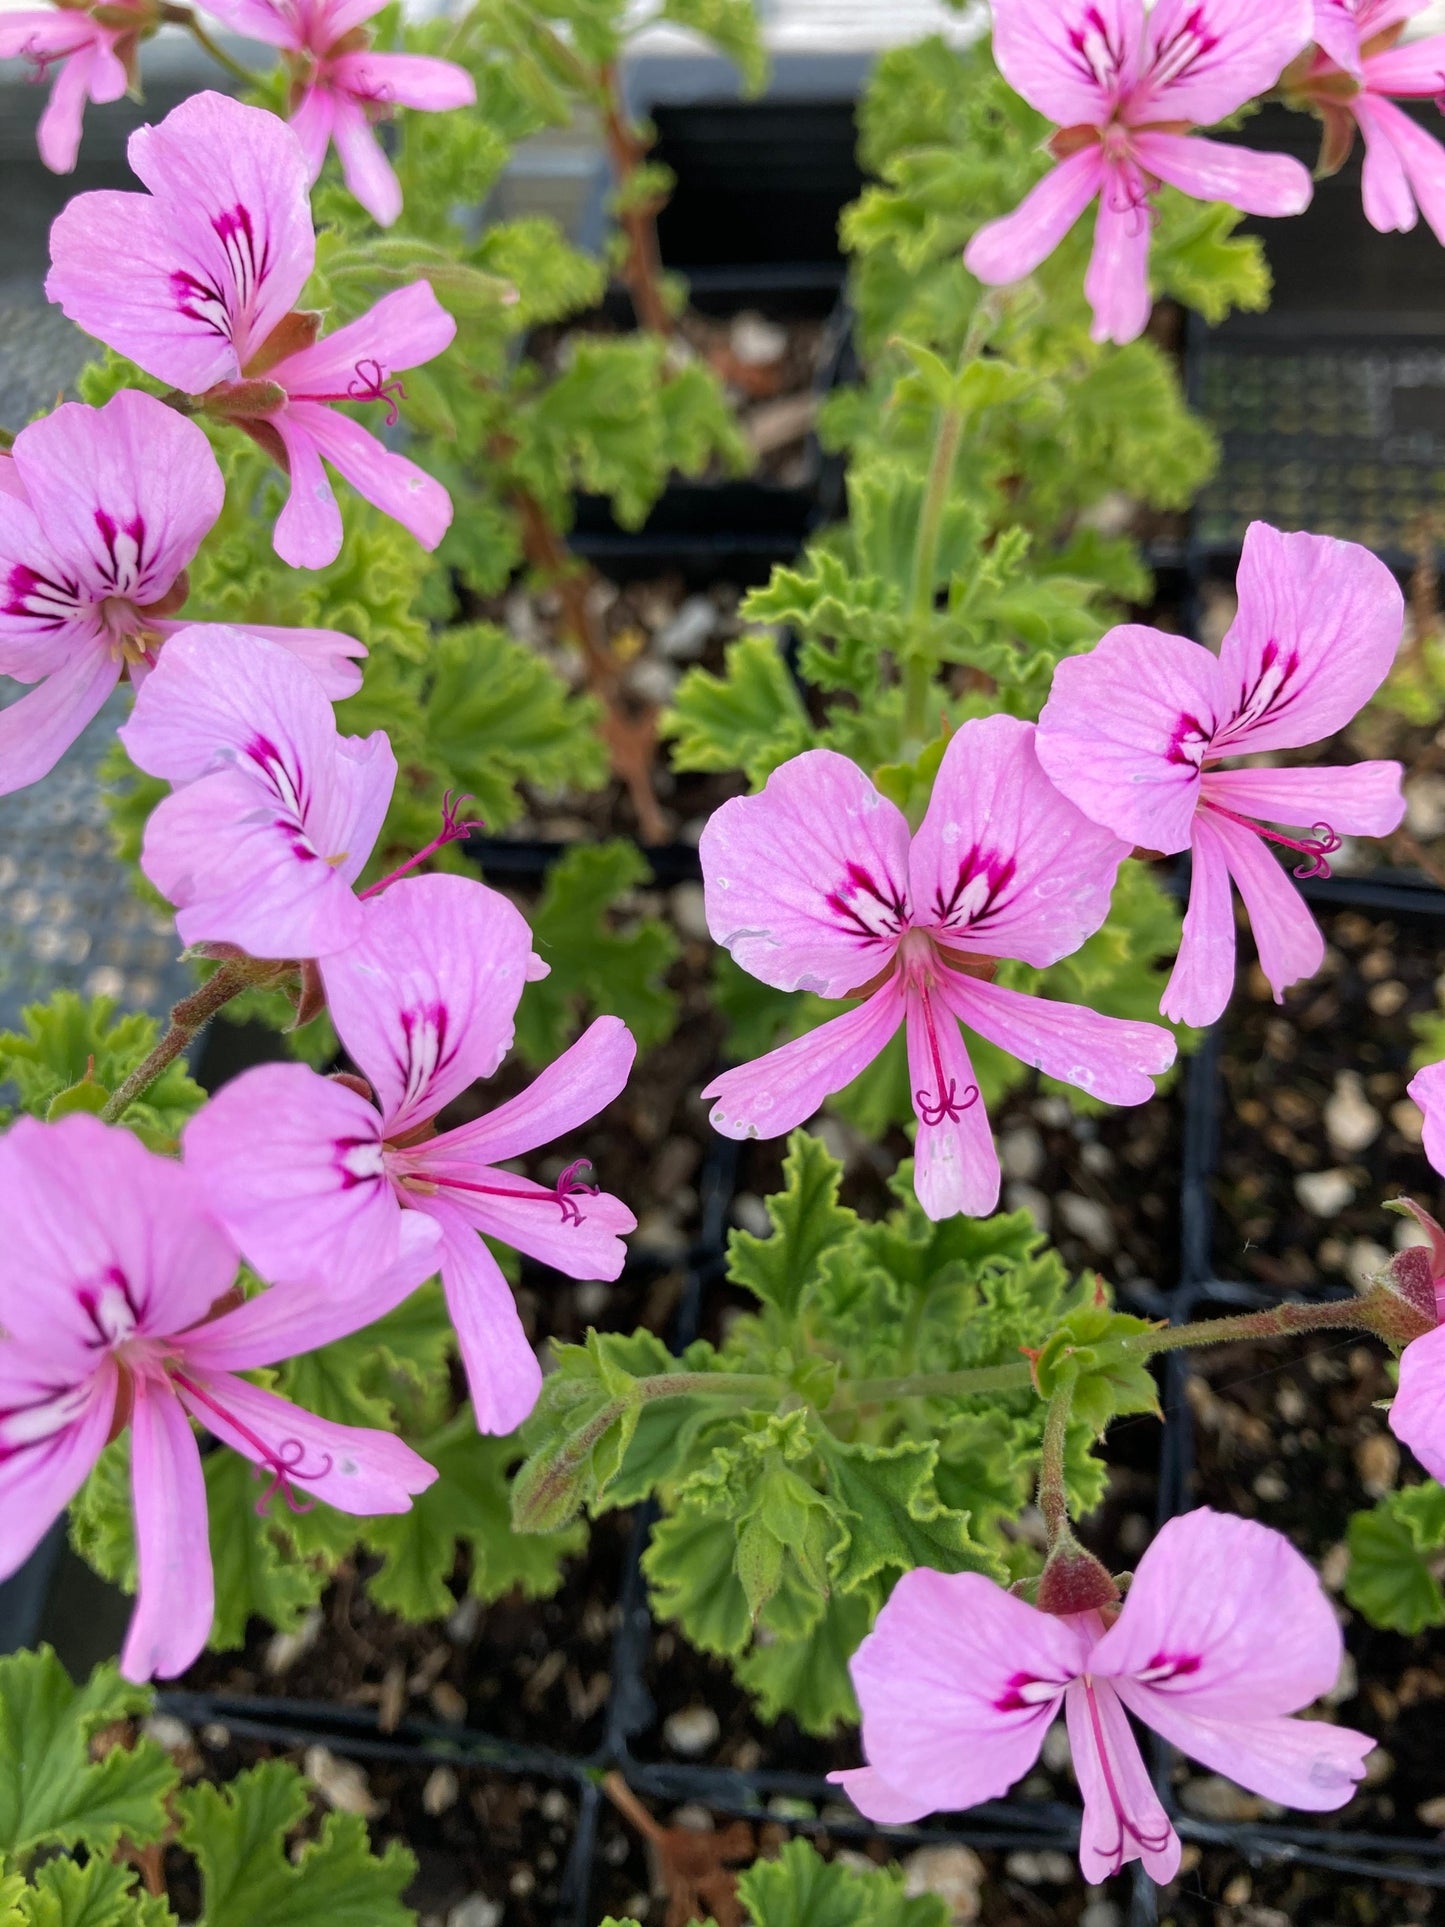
column 37, row 1482
column 503, row 1375
column 332, row 657
column 579, row 1234
column 175, row 1601
column 367, row 172
column 1299, row 1763
column 358, row 1471
column 1123, row 1819
column 876, row 1800
column 1285, row 934
column 1117, row 283
column 571, row 1091
column 1417, row 1413
column 1111, row 1058
column 768, row 1097
column 389, row 482
column 312, row 124
column 1213, row 171
column 405, row 80
column 1202, row 981
column 1008, row 249
column 36, row 731
column 308, row 529
column 1364, row 799
column 955, row 1164
column 1421, row 157
column 1389, row 201
column 58, row 133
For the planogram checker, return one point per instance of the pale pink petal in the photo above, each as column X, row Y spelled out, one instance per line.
column 1200, row 1624
column 1003, row 864
column 1217, row 171
column 771, row 1095
column 425, row 999
column 43, row 33
column 1389, row 199
column 807, row 883
column 406, row 328
column 308, row 529
column 58, row 131
column 1318, row 626
column 1123, row 1819
column 582, row 1238
column 1299, row 1763
column 1337, row 33
column 313, row 123
column 1285, row 934
column 1418, row 153
column 876, row 1800
column 1417, row 1413
column 388, row 481
column 175, row 1600
column 404, row 80
column 1203, row 61
column 1427, row 1087
column 573, row 1089
column 102, row 1239
column 1125, row 729
column 291, row 1163
column 36, row 731
column 1113, row 1058
column 958, row 1682
column 333, row 658
column 288, row 1319
column 1364, row 799
column 10, row 482
column 1413, row 70
column 955, row 1164
column 1202, row 981
column 47, row 616
column 359, row 1471
column 260, row 20
column 1117, row 282
column 368, row 174
column 1072, row 59
column 43, row 1465
column 1007, row 249
column 503, row 1376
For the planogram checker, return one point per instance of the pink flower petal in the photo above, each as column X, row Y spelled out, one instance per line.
column 584, row 1240
column 1417, row 1414
column 1389, row 198
column 42, row 1469
column 1202, row 981
column 1217, row 171
column 308, row 529
column 368, row 174
column 175, row 1601
column 1072, row 59
column 807, row 883
column 1337, row 33
column 1112, row 1058
column 572, row 1090
column 876, row 1800
column 1202, row 61
column 1363, row 800
column 955, row 1167
column 388, row 481
column 331, row 657
column 503, row 1375
column 1200, row 1623
column 291, row 1163
column 289, row 1319
column 1286, row 935
column 1413, row 70
column 425, row 999
column 358, row 1471
column 958, row 1683
column 36, row 731
column 1123, row 1819
column 1427, row 1087
column 58, row 131
column 404, row 80
column 1300, row 1763
column 1416, row 153
column 1117, row 281
column 1007, row 249
column 1003, row 865
column 1125, row 729
column 771, row 1095
column 405, row 328
column 313, row 122
column 1318, row 626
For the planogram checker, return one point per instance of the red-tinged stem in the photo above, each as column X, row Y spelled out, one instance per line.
column 189, row 1016
column 1053, row 1488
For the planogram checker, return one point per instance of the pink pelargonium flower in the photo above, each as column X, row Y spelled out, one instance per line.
column 1417, row 1412
column 275, row 812
column 1125, row 87
column 1133, row 733
column 341, row 87
column 815, row 884
column 304, row 1169
column 1352, row 82
column 960, row 1680
column 101, row 510
column 93, row 60
column 197, row 280
column 116, row 1307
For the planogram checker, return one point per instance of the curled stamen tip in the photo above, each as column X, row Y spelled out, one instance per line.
column 949, row 1105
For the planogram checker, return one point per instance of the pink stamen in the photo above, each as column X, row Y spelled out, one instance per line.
column 453, row 830
column 284, row 1464
column 1321, row 844
column 948, row 1104
column 370, row 384
column 1157, row 1843
column 39, row 63
column 567, row 1187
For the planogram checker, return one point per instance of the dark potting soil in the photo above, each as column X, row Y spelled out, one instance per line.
column 1315, row 1129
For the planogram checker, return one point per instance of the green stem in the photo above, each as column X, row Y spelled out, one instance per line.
column 717, row 1384
column 1053, row 1489
column 1280, row 1321
column 203, row 39
column 962, row 1384
column 187, row 1017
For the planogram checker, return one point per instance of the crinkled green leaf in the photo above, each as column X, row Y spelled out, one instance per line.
column 801, row 1889
column 1397, row 1559
column 808, row 1221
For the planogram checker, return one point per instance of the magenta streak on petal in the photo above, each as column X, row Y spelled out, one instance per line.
column 568, row 1186
column 969, row 906
column 350, row 1176
column 201, row 300
column 23, row 1426
column 1166, row 1666
column 1096, row 58
column 52, row 603
column 948, row 1103
column 1025, row 1692
column 1269, row 695
column 1178, row 54
column 1190, row 742
column 427, row 1055
column 286, row 1463
column 110, row 1308
column 1126, row 1825
column 126, row 571
column 290, row 788
column 872, row 926
column 39, row 61
column 1321, row 845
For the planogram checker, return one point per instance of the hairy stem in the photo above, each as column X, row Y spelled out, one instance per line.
column 1053, row 1491
column 642, row 267
column 189, row 1016
column 183, row 17
column 1280, row 1321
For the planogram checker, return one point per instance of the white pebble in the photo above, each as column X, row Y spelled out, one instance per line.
column 691, row 1731
column 476, row 1911
column 1325, row 1193
column 1364, row 1261
column 1351, row 1120
column 1021, row 1153
column 1089, row 1220
column 686, row 635
column 954, row 1874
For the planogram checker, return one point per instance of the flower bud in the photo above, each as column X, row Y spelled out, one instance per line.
column 1074, row 1581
